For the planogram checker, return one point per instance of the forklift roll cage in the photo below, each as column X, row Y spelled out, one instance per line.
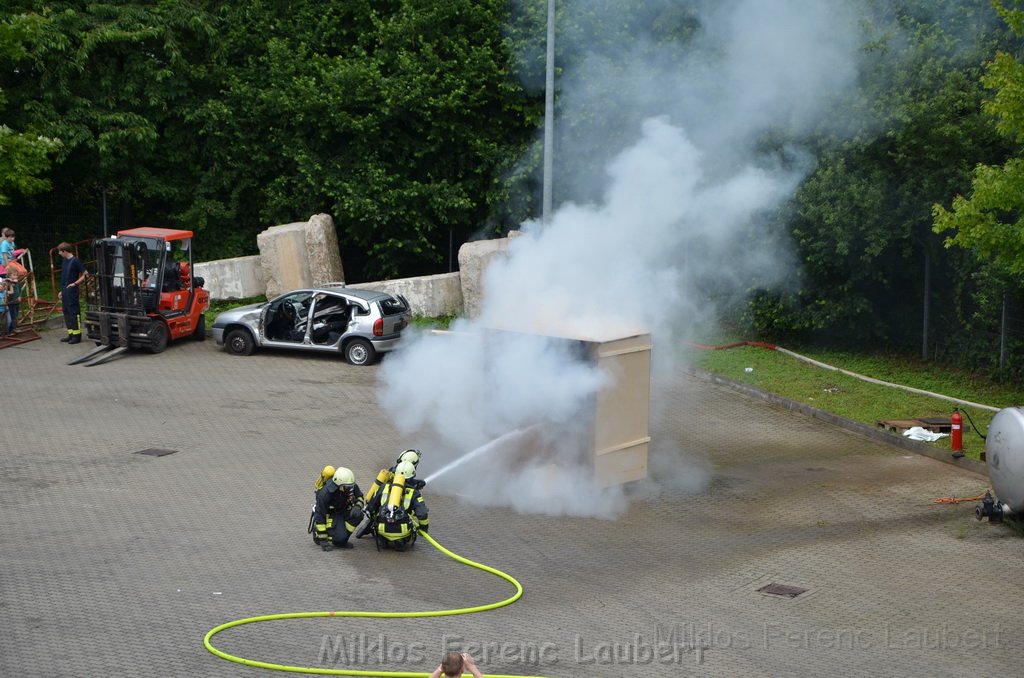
column 145, row 295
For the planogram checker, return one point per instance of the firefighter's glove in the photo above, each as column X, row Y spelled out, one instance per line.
column 321, row 534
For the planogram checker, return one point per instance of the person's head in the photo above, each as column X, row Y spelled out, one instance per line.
column 8, row 232
column 344, row 478
column 65, row 250
column 452, row 664
column 411, row 456
column 406, row 469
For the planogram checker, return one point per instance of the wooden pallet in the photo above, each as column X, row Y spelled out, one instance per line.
column 933, row 424
column 21, row 335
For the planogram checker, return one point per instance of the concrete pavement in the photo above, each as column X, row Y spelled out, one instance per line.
column 116, row 563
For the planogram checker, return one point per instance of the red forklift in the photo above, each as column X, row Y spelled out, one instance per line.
column 144, row 293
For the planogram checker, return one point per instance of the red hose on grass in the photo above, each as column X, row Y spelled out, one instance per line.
column 758, row 344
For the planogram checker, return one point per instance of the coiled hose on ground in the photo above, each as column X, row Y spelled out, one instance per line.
column 401, row 615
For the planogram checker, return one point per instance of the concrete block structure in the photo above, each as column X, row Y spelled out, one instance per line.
column 306, row 253
column 473, row 260
column 431, row 296
column 238, row 278
column 301, row 254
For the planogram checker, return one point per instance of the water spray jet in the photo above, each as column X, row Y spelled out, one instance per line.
column 478, row 451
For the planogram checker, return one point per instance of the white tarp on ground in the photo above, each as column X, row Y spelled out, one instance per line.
column 918, row 433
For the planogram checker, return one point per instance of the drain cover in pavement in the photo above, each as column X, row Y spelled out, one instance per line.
column 156, row 452
column 782, row 590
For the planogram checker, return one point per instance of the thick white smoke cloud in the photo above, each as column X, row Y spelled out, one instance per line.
column 678, row 205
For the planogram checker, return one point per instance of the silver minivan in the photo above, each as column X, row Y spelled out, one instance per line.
column 359, row 324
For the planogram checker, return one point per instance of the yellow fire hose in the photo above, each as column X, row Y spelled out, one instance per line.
column 402, row 615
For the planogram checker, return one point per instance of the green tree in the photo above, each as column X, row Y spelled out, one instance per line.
column 862, row 220
column 397, row 117
column 110, row 81
column 394, row 117
column 990, row 221
column 24, row 156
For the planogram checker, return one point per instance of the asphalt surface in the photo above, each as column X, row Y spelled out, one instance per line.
column 115, row 563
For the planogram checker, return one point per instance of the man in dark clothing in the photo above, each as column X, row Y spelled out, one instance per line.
column 72, row 273
column 338, row 510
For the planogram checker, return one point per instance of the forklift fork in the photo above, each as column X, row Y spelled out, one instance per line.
column 99, row 355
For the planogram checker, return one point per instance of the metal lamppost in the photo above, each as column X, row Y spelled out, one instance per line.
column 549, row 114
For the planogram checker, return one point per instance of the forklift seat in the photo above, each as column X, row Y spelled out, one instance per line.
column 172, row 276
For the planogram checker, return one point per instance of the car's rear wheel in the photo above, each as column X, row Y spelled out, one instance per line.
column 360, row 352
column 239, row 342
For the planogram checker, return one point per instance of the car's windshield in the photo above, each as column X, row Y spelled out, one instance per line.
column 298, row 299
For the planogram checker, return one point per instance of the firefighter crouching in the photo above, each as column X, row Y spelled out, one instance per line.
column 337, row 511
column 398, row 510
column 384, row 476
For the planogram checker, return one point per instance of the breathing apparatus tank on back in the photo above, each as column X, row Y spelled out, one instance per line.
column 385, row 475
column 325, row 475
column 403, row 470
column 382, row 479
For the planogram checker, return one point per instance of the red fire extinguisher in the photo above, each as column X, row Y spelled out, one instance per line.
column 956, row 433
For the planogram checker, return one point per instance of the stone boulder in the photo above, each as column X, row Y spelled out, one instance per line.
column 431, row 296
column 238, row 278
column 301, row 254
column 474, row 257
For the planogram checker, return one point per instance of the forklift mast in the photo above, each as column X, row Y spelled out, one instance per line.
column 120, row 267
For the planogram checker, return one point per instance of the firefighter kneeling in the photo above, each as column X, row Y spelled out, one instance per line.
column 399, row 510
column 337, row 511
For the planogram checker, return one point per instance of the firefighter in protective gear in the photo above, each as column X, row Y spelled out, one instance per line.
column 338, row 510
column 398, row 510
column 384, row 476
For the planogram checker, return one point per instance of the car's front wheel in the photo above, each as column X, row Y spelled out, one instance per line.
column 360, row 352
column 239, row 342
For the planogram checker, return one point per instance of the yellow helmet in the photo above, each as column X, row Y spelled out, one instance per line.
column 411, row 456
column 406, row 469
column 343, row 476
column 325, row 475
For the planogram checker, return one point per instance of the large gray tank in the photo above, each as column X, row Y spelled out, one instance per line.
column 1004, row 454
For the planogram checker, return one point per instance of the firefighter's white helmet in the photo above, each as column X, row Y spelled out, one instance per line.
column 406, row 469
column 344, row 476
column 411, row 456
